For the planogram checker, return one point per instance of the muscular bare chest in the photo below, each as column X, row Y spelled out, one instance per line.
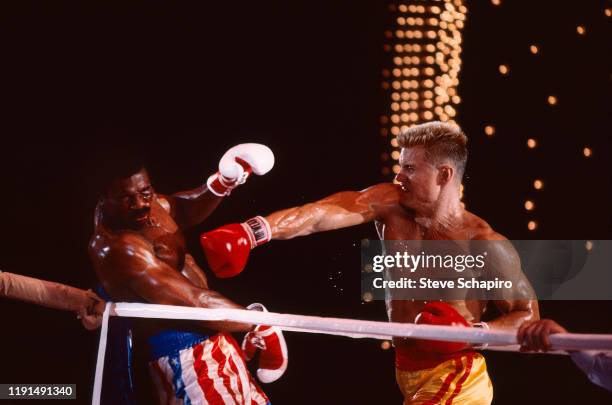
column 168, row 244
column 398, row 225
column 401, row 225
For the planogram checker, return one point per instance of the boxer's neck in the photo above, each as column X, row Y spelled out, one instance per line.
column 445, row 213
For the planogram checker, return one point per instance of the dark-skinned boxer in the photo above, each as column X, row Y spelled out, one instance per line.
column 424, row 205
column 139, row 254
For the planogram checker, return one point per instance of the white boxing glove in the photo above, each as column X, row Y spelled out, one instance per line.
column 237, row 164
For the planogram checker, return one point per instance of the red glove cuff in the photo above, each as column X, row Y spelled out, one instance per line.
column 220, row 186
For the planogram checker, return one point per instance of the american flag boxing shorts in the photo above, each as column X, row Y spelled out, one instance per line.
column 192, row 369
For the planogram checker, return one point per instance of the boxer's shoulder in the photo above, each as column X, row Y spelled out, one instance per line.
column 164, row 203
column 383, row 193
column 125, row 247
column 384, row 188
column 479, row 229
column 500, row 247
column 485, row 232
column 163, row 211
column 126, row 256
column 385, row 201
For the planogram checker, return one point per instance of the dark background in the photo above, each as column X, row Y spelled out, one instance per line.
column 190, row 79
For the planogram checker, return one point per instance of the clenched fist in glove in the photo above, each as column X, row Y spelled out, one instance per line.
column 441, row 313
column 227, row 248
column 273, row 356
column 237, row 164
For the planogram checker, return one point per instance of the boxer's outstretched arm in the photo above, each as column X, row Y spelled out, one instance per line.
column 340, row 210
column 227, row 248
column 132, row 262
column 46, row 293
column 49, row 294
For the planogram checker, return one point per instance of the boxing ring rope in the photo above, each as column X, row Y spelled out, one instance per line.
column 354, row 328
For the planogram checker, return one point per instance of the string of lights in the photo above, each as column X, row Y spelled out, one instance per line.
column 424, row 44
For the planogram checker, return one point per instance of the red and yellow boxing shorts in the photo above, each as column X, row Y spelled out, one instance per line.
column 462, row 379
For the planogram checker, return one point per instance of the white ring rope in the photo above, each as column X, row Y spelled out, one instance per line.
column 354, row 328
column 97, row 390
column 357, row 328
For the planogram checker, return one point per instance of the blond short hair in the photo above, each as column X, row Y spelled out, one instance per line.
column 442, row 141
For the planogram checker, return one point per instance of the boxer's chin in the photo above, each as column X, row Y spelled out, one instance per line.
column 140, row 221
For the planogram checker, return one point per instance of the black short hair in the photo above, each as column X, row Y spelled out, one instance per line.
column 119, row 155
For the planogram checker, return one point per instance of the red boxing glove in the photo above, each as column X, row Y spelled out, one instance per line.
column 441, row 313
column 273, row 357
column 227, row 248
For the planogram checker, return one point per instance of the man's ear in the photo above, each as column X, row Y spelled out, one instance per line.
column 445, row 174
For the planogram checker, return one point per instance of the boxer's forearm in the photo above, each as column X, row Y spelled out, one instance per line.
column 212, row 299
column 513, row 319
column 192, row 207
column 45, row 293
column 311, row 218
column 293, row 222
column 191, row 296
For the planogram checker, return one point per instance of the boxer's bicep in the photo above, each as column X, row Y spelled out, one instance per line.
column 351, row 208
column 155, row 281
column 505, row 263
column 130, row 264
column 518, row 303
column 163, row 285
column 191, row 207
column 158, row 283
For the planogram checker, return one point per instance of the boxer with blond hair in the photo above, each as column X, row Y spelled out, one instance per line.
column 423, row 205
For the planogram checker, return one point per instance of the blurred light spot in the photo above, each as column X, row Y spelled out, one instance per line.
column 538, row 184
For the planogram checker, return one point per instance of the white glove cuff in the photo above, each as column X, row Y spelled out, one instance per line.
column 482, row 325
column 259, row 231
